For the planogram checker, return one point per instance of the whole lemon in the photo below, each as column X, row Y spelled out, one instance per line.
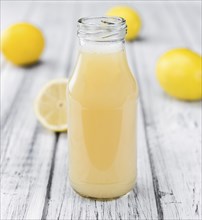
column 132, row 18
column 22, row 43
column 179, row 73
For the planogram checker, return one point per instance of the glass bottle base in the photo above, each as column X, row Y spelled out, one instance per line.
column 102, row 191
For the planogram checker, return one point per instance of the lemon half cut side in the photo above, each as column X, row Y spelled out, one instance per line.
column 51, row 107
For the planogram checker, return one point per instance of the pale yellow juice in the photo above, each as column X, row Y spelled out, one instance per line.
column 102, row 103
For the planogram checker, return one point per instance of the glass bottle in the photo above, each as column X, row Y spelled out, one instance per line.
column 102, row 107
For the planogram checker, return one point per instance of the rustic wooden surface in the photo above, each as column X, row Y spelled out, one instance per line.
column 34, row 170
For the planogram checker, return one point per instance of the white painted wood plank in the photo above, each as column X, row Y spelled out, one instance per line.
column 189, row 16
column 13, row 12
column 173, row 127
column 27, row 149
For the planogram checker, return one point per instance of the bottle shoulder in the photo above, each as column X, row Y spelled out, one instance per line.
column 102, row 78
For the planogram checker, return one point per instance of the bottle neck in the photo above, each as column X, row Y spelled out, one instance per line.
column 101, row 47
column 101, row 34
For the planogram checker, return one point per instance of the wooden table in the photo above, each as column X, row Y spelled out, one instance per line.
column 34, row 169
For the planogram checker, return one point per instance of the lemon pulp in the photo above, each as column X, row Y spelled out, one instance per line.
column 50, row 105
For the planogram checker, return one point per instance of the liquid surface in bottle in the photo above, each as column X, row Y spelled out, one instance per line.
column 102, row 101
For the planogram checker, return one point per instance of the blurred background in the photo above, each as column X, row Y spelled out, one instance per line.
column 165, row 24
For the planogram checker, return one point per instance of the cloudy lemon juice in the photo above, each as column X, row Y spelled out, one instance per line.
column 102, row 103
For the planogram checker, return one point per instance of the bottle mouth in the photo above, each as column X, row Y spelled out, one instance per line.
column 102, row 29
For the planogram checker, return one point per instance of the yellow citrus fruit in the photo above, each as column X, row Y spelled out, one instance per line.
column 22, row 43
column 132, row 18
column 51, row 107
column 179, row 73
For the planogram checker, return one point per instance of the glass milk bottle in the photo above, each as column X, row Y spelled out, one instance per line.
column 102, row 112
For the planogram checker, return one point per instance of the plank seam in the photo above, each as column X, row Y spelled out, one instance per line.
column 151, row 161
column 157, row 192
column 33, row 140
column 49, row 185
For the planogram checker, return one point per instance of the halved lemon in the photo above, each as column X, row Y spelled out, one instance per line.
column 50, row 105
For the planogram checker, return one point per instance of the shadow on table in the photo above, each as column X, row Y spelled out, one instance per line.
column 138, row 39
column 33, row 65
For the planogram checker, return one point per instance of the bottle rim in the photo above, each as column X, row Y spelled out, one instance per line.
column 102, row 29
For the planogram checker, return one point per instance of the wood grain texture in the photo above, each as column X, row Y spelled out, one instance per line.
column 27, row 150
column 172, row 127
column 34, row 166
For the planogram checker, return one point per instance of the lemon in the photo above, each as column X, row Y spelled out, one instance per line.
column 179, row 73
column 50, row 105
column 22, row 43
column 132, row 18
